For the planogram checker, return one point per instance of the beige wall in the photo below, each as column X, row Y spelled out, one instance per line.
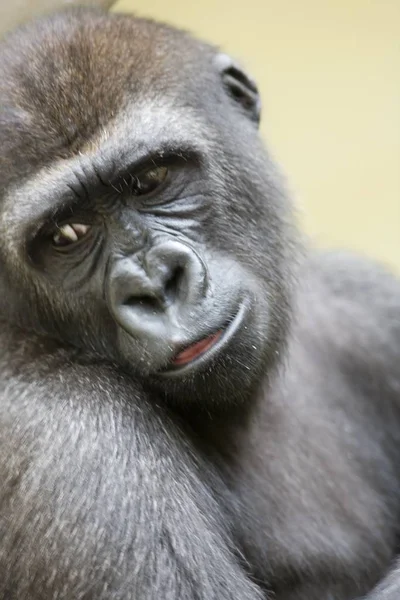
column 329, row 74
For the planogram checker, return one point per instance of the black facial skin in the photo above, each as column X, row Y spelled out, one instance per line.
column 192, row 403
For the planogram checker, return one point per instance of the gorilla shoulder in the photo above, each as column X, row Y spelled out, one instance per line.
column 365, row 293
column 349, row 306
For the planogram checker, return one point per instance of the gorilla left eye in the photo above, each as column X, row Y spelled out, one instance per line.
column 150, row 180
column 68, row 234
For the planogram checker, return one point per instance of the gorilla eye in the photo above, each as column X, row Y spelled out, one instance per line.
column 150, row 180
column 69, row 234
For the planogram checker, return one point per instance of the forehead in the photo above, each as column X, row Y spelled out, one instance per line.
column 67, row 78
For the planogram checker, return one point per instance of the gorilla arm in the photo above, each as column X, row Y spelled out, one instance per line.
column 389, row 587
column 100, row 497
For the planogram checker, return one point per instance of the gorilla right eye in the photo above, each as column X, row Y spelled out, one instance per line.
column 68, row 234
column 148, row 181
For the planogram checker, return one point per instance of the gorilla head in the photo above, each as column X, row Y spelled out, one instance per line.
column 141, row 220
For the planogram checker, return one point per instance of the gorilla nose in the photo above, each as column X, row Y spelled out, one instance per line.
column 147, row 298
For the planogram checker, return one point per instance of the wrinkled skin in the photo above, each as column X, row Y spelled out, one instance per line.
column 192, row 405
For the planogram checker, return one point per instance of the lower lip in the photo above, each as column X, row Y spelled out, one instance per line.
column 196, row 350
column 202, row 351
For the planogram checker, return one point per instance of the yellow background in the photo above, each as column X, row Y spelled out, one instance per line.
column 329, row 75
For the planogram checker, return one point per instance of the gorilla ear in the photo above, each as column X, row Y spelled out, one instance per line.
column 239, row 86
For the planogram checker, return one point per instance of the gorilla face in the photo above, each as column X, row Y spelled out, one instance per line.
column 142, row 226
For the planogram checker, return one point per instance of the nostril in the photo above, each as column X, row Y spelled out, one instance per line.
column 173, row 284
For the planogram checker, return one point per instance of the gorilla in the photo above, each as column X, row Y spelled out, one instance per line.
column 194, row 403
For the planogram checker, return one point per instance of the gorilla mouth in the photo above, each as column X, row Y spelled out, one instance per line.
column 199, row 352
column 197, row 349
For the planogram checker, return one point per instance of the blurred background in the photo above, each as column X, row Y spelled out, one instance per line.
column 329, row 75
